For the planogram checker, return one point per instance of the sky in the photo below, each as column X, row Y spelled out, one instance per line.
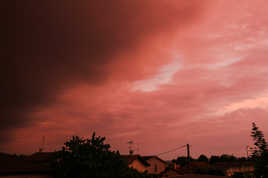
column 160, row 73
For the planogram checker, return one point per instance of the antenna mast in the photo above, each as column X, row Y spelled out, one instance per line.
column 41, row 149
column 130, row 143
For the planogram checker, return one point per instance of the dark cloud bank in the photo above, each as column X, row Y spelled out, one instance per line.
column 58, row 44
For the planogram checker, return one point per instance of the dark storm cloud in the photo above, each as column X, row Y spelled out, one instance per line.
column 59, row 44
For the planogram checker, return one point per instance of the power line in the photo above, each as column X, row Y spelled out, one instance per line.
column 175, row 149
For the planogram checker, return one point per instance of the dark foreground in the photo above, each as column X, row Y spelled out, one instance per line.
column 199, row 176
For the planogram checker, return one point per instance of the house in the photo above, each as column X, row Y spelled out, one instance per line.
column 150, row 164
column 135, row 162
column 157, row 165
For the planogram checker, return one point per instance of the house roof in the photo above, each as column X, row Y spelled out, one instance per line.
column 130, row 158
column 156, row 157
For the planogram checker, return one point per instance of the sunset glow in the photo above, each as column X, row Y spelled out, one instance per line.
column 160, row 73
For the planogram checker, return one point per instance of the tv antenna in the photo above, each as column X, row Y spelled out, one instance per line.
column 130, row 144
column 41, row 149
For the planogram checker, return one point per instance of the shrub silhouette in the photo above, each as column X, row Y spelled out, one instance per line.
column 260, row 154
column 84, row 158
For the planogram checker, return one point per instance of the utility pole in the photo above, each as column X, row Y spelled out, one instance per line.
column 188, row 155
column 188, row 152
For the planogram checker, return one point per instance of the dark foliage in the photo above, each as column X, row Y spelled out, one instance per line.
column 259, row 141
column 228, row 158
column 203, row 158
column 260, row 154
column 210, row 171
column 214, row 159
column 242, row 159
column 84, row 158
column 183, row 161
column 224, row 158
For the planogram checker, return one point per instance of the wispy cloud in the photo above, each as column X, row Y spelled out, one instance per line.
column 164, row 76
column 260, row 102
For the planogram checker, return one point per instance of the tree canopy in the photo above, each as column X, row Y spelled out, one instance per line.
column 260, row 153
column 183, row 160
column 259, row 141
column 203, row 158
column 84, row 158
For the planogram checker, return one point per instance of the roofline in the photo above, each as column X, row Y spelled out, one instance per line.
column 156, row 158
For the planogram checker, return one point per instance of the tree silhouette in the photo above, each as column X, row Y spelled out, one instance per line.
column 84, row 158
column 214, row 159
column 259, row 141
column 182, row 160
column 260, row 154
column 203, row 158
column 227, row 158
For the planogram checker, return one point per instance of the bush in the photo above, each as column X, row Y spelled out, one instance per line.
column 85, row 158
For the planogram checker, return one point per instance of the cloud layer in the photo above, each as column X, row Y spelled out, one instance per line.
column 61, row 44
column 79, row 67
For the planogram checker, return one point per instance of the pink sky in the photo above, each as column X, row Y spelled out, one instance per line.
column 202, row 84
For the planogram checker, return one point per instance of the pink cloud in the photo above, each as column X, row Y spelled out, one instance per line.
column 209, row 101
